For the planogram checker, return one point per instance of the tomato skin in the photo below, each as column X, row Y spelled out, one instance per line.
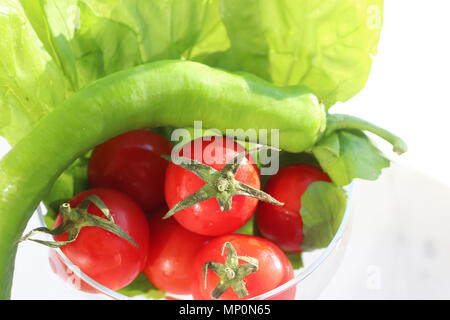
column 132, row 163
column 171, row 254
column 105, row 257
column 274, row 268
column 283, row 224
column 206, row 217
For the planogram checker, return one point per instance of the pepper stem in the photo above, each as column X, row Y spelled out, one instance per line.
column 343, row 121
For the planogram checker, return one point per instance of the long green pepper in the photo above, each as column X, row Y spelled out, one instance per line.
column 163, row 93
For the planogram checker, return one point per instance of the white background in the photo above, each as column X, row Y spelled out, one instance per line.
column 407, row 209
column 400, row 242
column 409, row 85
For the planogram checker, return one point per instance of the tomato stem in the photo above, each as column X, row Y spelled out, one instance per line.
column 221, row 185
column 231, row 273
column 74, row 219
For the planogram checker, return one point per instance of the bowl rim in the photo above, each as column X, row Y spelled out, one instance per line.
column 303, row 274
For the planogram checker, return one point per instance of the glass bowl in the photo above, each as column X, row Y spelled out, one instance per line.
column 319, row 266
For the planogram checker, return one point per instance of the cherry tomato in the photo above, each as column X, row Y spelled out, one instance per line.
column 274, row 268
column 206, row 217
column 105, row 257
column 283, row 224
column 132, row 163
column 171, row 254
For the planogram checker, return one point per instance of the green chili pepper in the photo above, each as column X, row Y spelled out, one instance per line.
column 164, row 93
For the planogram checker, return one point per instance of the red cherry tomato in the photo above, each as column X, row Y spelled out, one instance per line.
column 274, row 268
column 132, row 163
column 206, row 217
column 171, row 254
column 105, row 257
column 283, row 224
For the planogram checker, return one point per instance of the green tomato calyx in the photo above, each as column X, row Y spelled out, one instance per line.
column 74, row 219
column 221, row 185
column 231, row 273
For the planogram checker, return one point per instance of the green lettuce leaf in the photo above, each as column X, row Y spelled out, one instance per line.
column 323, row 207
column 324, row 45
column 142, row 287
column 52, row 48
column 31, row 83
column 348, row 154
column 296, row 260
column 86, row 46
column 249, row 228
